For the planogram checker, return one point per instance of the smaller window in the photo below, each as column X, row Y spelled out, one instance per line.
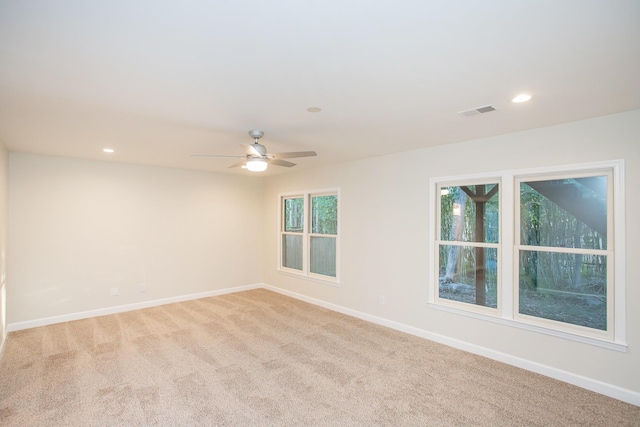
column 309, row 238
column 292, row 232
column 324, row 234
column 468, row 244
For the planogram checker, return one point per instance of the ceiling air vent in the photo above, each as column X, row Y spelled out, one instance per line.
column 478, row 110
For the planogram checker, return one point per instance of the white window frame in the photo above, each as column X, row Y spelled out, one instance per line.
column 509, row 245
column 282, row 232
column 307, row 235
column 455, row 183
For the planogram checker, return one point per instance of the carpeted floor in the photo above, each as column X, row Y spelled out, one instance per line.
column 258, row 358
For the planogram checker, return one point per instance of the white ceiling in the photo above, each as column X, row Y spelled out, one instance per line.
column 161, row 80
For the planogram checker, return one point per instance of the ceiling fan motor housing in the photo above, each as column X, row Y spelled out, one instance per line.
column 259, row 149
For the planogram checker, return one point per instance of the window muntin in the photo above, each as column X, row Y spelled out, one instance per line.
column 557, row 226
column 468, row 245
column 309, row 235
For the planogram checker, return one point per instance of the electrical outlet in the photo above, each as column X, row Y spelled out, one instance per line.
column 382, row 300
column 143, row 287
column 114, row 292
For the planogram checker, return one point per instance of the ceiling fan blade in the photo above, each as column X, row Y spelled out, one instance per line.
column 257, row 152
column 279, row 162
column 215, row 155
column 294, row 155
column 240, row 163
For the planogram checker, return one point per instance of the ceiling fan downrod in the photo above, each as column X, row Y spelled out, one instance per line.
column 256, row 135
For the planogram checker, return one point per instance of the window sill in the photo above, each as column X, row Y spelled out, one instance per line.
column 621, row 347
column 335, row 283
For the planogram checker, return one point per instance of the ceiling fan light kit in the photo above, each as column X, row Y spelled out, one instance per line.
column 256, row 165
column 256, row 158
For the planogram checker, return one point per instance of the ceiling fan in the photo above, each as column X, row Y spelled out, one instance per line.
column 256, row 158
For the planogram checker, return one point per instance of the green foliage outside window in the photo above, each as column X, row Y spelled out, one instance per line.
column 312, row 240
column 294, row 214
column 324, row 218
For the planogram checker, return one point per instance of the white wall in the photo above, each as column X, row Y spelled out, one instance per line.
column 79, row 228
column 384, row 241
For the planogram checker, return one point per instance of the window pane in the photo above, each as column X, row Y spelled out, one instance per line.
column 292, row 251
column 294, row 214
column 323, row 256
column 469, row 213
column 568, row 213
column 570, row 288
column 469, row 274
column 324, row 214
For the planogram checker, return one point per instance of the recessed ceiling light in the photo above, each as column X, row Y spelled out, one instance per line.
column 523, row 97
column 109, row 150
column 314, row 109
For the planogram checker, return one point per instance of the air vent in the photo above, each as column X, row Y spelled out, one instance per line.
column 478, row 110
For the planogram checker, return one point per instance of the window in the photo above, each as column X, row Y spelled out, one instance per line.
column 562, row 254
column 535, row 249
column 292, row 232
column 468, row 245
column 309, row 235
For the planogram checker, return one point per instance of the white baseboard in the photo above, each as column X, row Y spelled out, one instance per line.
column 122, row 308
column 600, row 387
column 606, row 389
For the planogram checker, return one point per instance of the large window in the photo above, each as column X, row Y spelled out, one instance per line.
column 309, row 234
column 562, row 253
column 535, row 248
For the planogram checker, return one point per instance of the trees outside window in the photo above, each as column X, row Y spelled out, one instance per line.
column 468, row 243
column 324, row 234
column 562, row 252
column 292, row 232
column 309, row 234
column 551, row 266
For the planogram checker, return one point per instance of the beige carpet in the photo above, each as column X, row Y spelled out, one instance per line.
column 258, row 358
